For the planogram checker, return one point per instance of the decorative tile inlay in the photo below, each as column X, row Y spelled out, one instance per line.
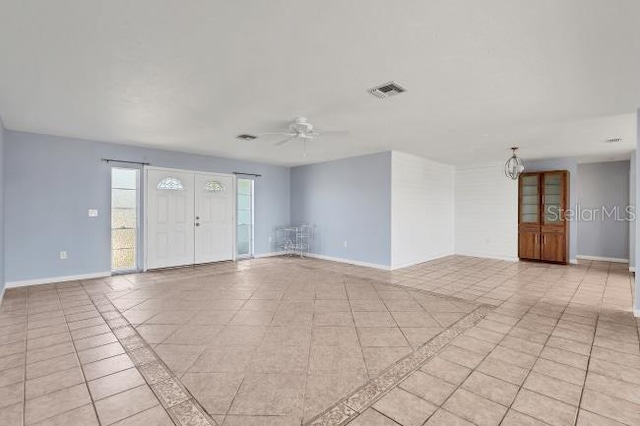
column 117, row 323
column 183, row 409
column 124, row 333
column 142, row 355
column 132, row 342
column 369, row 393
column 171, row 393
column 336, row 415
column 188, row 414
column 562, row 315
column 154, row 372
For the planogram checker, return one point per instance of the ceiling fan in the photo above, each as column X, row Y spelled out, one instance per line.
column 301, row 128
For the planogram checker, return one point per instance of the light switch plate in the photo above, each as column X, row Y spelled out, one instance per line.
column 93, row 212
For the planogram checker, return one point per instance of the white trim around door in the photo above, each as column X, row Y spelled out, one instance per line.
column 175, row 234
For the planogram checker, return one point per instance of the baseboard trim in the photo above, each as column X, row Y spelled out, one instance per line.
column 603, row 259
column 573, row 261
column 50, row 280
column 636, row 313
column 2, row 294
column 484, row 256
column 271, row 254
column 419, row 261
column 349, row 261
column 632, row 269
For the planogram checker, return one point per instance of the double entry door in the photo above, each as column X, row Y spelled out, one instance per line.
column 189, row 217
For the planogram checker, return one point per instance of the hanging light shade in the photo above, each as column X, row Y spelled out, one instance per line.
column 513, row 168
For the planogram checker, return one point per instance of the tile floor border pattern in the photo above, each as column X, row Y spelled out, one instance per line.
column 176, row 400
column 353, row 405
column 537, row 302
column 368, row 393
column 399, row 286
column 511, row 409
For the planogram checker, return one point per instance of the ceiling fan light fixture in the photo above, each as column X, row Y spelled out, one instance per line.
column 514, row 167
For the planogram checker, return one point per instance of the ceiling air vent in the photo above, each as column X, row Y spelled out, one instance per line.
column 246, row 137
column 387, row 90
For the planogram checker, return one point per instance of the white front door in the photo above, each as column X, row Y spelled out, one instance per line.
column 214, row 217
column 170, row 225
column 190, row 218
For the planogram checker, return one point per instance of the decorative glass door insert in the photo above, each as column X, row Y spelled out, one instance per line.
column 530, row 199
column 552, row 200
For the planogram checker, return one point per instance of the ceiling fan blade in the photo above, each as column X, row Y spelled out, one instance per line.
column 282, row 142
column 276, row 133
column 332, row 132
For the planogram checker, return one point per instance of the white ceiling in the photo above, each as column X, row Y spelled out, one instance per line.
column 556, row 77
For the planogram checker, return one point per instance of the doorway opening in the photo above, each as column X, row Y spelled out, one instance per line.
column 124, row 219
column 245, row 219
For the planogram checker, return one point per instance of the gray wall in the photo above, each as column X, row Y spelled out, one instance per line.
column 2, row 269
column 570, row 164
column 636, row 304
column 51, row 182
column 600, row 186
column 632, row 203
column 346, row 200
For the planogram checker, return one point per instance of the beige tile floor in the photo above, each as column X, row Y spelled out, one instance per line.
column 279, row 341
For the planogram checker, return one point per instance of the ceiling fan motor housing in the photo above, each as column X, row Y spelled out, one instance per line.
column 301, row 126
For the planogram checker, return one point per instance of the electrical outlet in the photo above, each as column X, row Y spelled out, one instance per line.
column 344, row 243
column 93, row 212
column 63, row 255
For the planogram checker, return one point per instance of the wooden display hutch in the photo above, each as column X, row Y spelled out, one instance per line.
column 543, row 231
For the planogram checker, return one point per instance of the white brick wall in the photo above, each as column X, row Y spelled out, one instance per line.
column 486, row 213
column 421, row 209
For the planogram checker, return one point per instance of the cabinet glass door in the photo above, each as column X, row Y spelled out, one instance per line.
column 552, row 200
column 529, row 199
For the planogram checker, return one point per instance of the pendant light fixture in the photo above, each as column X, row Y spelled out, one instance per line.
column 513, row 168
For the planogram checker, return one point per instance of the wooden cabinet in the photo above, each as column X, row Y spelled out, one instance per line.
column 553, row 247
column 543, row 232
column 529, row 245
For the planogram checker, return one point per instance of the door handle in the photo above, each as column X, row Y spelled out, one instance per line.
column 197, row 217
column 197, row 224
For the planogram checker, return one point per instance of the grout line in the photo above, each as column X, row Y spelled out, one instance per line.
column 306, row 376
column 224, row 327
column 75, row 349
column 355, row 326
column 235, row 395
column 162, row 400
column 537, row 293
column 24, row 373
column 394, row 422
column 586, row 373
column 531, row 368
column 343, row 412
column 520, row 387
column 135, row 365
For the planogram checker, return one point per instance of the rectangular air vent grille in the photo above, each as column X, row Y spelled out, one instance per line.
column 246, row 137
column 387, row 90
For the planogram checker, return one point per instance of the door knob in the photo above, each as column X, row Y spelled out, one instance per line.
column 197, row 217
column 197, row 224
